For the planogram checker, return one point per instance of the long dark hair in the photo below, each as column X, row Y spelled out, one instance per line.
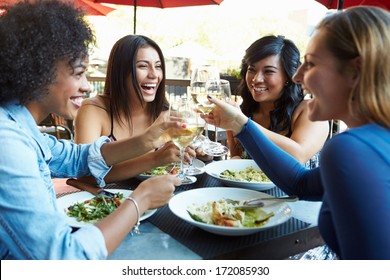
column 280, row 117
column 121, row 64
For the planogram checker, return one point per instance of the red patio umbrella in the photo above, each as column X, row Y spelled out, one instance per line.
column 342, row 4
column 92, row 8
column 89, row 6
column 159, row 4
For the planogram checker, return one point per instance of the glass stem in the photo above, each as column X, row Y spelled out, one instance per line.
column 181, row 174
column 206, row 132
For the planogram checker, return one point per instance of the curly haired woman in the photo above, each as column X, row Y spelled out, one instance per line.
column 43, row 60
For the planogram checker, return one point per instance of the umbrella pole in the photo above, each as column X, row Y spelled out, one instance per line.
column 340, row 5
column 135, row 16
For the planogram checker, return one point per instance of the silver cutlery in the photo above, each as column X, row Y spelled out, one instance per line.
column 259, row 201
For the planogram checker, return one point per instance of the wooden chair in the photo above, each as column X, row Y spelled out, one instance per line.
column 57, row 126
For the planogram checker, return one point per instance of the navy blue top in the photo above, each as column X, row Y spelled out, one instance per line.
column 353, row 181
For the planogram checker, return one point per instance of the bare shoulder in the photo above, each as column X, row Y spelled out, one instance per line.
column 100, row 101
column 300, row 111
column 91, row 120
column 302, row 107
column 300, row 119
column 96, row 107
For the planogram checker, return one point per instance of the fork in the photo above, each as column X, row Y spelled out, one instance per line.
column 259, row 201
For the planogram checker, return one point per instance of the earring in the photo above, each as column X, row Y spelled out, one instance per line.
column 286, row 84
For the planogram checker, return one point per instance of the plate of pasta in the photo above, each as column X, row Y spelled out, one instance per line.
column 210, row 209
column 240, row 173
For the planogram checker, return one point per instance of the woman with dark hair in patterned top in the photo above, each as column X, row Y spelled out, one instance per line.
column 275, row 103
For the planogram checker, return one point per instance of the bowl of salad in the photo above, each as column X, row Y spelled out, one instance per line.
column 241, row 173
column 169, row 169
column 83, row 208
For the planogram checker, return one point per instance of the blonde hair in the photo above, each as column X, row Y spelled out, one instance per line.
column 364, row 32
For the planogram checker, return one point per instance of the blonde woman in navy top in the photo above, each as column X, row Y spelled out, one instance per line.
column 347, row 69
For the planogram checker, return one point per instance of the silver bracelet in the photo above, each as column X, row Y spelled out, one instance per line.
column 136, row 226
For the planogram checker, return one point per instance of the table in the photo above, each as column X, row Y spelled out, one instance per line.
column 166, row 237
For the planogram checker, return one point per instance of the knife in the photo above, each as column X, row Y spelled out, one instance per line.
column 91, row 188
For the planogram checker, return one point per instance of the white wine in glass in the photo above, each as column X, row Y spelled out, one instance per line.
column 217, row 89
column 200, row 82
column 197, row 143
column 183, row 111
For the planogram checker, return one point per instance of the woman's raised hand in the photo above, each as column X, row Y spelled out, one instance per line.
column 226, row 115
column 162, row 123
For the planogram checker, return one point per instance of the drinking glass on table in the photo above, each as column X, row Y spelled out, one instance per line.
column 183, row 111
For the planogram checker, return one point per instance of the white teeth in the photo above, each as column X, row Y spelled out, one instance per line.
column 149, row 85
column 260, row 89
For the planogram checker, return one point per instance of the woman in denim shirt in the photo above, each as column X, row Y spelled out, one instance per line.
column 43, row 61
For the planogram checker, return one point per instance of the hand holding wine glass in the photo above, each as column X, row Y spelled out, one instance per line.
column 182, row 111
column 217, row 89
column 196, row 144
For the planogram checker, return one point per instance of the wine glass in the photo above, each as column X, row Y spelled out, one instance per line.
column 197, row 143
column 182, row 110
column 218, row 88
column 226, row 94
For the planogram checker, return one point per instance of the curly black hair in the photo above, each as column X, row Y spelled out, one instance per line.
column 280, row 117
column 34, row 36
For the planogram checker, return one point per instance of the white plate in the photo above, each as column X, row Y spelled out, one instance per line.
column 70, row 199
column 196, row 162
column 216, row 167
column 180, row 202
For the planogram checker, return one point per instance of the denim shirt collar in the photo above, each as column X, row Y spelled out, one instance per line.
column 23, row 118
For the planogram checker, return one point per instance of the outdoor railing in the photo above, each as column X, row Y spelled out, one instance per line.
column 175, row 88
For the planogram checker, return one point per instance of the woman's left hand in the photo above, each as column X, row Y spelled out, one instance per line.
column 167, row 154
column 157, row 129
column 189, row 153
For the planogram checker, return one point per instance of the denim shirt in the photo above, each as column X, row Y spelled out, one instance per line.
column 31, row 226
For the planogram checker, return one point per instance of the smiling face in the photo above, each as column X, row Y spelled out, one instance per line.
column 149, row 72
column 266, row 79
column 320, row 76
column 67, row 92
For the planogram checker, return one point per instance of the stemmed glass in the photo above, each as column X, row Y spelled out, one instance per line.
column 197, row 143
column 182, row 110
column 217, row 88
column 222, row 91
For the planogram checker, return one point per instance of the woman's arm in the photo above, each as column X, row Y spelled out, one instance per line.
column 93, row 118
column 167, row 154
column 235, row 151
column 307, row 137
column 284, row 170
column 118, row 224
